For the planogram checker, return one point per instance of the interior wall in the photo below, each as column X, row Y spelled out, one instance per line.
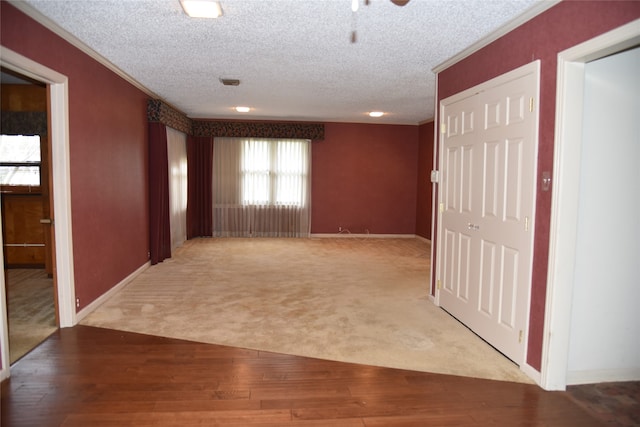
column 424, row 185
column 605, row 322
column 543, row 37
column 108, row 157
column 364, row 178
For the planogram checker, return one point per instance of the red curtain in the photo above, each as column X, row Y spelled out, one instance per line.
column 199, row 178
column 159, row 227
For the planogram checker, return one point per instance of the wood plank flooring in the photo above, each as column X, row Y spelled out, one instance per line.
column 86, row 376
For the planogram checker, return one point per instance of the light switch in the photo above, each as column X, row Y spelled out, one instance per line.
column 435, row 176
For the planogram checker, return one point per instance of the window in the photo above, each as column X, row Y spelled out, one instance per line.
column 261, row 187
column 20, row 160
column 274, row 172
column 177, row 157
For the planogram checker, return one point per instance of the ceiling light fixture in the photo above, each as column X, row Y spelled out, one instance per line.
column 243, row 109
column 202, row 8
column 376, row 114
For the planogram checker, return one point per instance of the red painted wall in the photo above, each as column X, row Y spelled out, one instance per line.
column 108, row 154
column 364, row 178
column 561, row 27
column 424, row 193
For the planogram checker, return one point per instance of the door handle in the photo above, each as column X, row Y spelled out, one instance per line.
column 473, row 227
column 46, row 221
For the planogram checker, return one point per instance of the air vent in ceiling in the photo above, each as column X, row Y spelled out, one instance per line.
column 230, row 82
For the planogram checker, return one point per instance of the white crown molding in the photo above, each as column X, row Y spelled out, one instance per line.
column 73, row 40
column 532, row 12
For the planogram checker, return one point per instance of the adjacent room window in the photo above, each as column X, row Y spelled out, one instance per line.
column 20, row 160
column 177, row 157
column 261, row 187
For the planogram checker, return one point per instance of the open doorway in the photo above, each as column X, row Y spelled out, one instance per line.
column 60, row 184
column 561, row 337
column 26, row 213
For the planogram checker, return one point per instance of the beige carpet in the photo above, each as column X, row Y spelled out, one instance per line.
column 354, row 300
column 30, row 308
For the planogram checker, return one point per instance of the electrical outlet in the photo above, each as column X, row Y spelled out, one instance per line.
column 339, row 229
column 77, row 302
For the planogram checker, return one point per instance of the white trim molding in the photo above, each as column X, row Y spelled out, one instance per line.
column 34, row 14
column 599, row 376
column 424, row 239
column 531, row 372
column 532, row 12
column 104, row 297
column 348, row 235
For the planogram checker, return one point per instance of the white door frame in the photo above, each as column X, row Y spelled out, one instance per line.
column 564, row 197
column 59, row 99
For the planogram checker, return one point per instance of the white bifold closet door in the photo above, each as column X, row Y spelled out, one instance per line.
column 488, row 150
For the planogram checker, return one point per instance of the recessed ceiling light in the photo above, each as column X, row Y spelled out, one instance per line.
column 202, row 8
column 243, row 109
column 376, row 114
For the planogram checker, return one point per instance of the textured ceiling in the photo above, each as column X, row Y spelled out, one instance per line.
column 294, row 58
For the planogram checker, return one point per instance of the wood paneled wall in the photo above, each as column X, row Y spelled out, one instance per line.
column 26, row 239
column 23, row 97
column 21, row 214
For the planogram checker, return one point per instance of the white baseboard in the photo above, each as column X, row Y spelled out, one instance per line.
column 104, row 297
column 424, row 239
column 365, row 235
column 531, row 372
column 602, row 376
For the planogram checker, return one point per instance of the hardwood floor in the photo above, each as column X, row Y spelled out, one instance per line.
column 85, row 376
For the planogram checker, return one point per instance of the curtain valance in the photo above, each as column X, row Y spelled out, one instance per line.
column 23, row 123
column 216, row 128
column 159, row 112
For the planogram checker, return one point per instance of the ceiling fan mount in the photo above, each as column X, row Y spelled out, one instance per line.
column 396, row 2
column 354, row 8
